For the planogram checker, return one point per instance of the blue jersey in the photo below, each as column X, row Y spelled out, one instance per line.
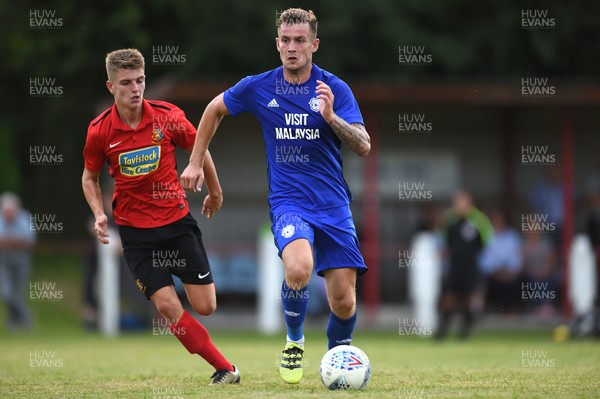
column 304, row 165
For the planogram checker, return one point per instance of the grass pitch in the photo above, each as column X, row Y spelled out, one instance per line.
column 59, row 360
column 512, row 365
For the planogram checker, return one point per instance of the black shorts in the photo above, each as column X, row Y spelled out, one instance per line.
column 154, row 254
column 462, row 281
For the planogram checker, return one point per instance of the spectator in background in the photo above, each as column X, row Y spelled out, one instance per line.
column 540, row 266
column 592, row 202
column 17, row 239
column 546, row 200
column 501, row 264
column 592, row 228
column 466, row 231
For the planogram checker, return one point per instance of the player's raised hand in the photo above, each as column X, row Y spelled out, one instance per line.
column 101, row 228
column 212, row 204
column 192, row 178
column 326, row 96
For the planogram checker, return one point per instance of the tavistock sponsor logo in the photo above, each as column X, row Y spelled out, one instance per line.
column 536, row 358
column 414, row 55
column 537, row 155
column 45, row 223
column 45, row 87
column 44, row 359
column 45, row 19
column 44, row 155
column 140, row 162
column 537, row 19
column 168, row 55
column 537, row 88
column 414, row 123
column 414, row 191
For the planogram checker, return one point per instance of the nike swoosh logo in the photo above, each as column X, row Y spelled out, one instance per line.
column 201, row 276
column 115, row 144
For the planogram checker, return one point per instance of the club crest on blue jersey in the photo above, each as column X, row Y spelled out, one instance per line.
column 157, row 135
column 314, row 104
column 288, row 231
column 139, row 162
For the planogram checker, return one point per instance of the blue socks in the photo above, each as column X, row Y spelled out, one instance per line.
column 295, row 303
column 339, row 331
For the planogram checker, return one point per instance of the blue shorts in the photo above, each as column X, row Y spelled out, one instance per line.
column 331, row 233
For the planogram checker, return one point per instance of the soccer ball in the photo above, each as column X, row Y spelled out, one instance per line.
column 345, row 367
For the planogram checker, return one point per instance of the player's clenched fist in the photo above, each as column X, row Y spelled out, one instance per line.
column 212, row 204
column 192, row 178
column 101, row 228
column 325, row 95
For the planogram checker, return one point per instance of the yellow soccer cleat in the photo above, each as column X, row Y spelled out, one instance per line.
column 291, row 363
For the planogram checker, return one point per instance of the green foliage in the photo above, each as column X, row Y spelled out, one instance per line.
column 233, row 38
column 9, row 175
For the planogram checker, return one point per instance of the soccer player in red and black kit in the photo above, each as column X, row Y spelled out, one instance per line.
column 137, row 138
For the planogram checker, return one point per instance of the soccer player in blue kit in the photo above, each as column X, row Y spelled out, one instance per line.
column 305, row 113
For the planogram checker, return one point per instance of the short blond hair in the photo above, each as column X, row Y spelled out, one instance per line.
column 293, row 16
column 127, row 58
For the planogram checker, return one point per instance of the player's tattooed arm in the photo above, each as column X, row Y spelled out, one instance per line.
column 354, row 135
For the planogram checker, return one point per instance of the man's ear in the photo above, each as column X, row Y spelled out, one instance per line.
column 315, row 45
column 109, row 86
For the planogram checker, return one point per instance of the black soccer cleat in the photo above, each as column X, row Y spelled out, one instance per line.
column 225, row 376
